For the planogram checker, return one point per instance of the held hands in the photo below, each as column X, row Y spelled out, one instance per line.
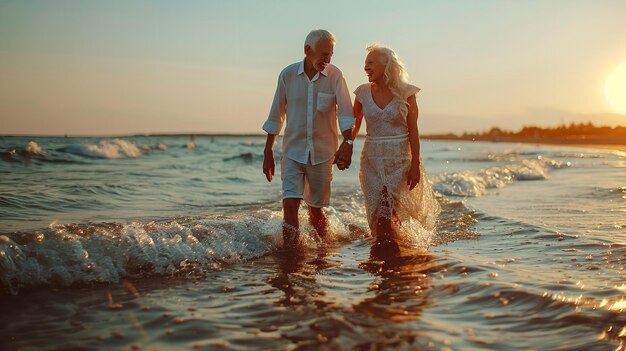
column 343, row 156
column 414, row 176
column 268, row 164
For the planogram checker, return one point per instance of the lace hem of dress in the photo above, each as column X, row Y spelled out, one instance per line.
column 412, row 215
column 386, row 206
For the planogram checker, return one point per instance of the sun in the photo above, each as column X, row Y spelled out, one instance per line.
column 615, row 88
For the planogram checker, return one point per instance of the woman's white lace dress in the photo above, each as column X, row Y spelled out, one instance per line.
column 385, row 163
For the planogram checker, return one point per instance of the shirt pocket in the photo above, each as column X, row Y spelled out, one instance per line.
column 325, row 102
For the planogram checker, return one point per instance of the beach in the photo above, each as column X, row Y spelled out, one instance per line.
column 149, row 243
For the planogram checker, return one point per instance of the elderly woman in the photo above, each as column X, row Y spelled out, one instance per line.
column 400, row 203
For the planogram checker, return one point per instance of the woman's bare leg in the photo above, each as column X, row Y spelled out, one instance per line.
column 384, row 227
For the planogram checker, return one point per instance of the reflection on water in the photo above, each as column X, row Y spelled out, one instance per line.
column 402, row 290
column 344, row 297
column 296, row 277
column 335, row 300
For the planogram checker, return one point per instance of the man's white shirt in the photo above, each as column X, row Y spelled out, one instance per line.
column 311, row 109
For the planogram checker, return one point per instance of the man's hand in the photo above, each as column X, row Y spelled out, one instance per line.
column 343, row 156
column 414, row 176
column 268, row 164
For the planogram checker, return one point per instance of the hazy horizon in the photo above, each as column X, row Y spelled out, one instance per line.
column 117, row 68
column 262, row 133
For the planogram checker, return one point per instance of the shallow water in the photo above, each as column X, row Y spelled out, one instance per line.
column 106, row 248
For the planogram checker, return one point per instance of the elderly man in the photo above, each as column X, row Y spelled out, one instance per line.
column 311, row 96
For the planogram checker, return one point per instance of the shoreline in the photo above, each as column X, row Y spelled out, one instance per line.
column 612, row 144
column 547, row 142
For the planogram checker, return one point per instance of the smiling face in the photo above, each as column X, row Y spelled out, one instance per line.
column 320, row 56
column 374, row 68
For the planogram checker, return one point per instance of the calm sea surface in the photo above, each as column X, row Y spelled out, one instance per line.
column 172, row 243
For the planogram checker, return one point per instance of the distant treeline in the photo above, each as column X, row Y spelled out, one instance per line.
column 585, row 133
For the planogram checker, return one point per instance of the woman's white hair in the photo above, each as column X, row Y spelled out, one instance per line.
column 396, row 76
column 317, row 34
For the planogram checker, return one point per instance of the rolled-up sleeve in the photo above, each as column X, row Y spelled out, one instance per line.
column 344, row 105
column 276, row 118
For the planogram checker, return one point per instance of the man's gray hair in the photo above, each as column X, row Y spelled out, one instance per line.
column 316, row 35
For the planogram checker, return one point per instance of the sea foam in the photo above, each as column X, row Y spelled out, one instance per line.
column 110, row 149
column 63, row 255
column 477, row 183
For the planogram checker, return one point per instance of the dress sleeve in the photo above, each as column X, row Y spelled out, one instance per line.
column 411, row 90
column 358, row 92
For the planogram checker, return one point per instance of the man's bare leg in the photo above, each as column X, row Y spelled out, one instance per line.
column 290, row 222
column 319, row 221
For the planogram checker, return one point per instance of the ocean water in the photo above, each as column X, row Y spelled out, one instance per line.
column 173, row 243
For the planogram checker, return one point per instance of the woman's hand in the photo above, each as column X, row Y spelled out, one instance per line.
column 414, row 176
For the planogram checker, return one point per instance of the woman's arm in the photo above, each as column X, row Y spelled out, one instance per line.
column 357, row 110
column 414, row 140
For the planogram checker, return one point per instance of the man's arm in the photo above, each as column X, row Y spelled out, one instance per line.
column 278, row 112
column 343, row 156
column 273, row 125
column 269, row 165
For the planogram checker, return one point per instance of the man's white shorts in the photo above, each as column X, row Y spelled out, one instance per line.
column 306, row 181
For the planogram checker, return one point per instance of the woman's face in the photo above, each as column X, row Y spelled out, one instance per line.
column 374, row 68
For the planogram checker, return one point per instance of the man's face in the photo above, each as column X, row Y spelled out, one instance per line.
column 320, row 55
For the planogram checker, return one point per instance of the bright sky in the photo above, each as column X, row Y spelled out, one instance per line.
column 122, row 67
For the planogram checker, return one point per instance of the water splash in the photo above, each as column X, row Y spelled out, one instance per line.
column 109, row 149
column 105, row 253
column 477, row 183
